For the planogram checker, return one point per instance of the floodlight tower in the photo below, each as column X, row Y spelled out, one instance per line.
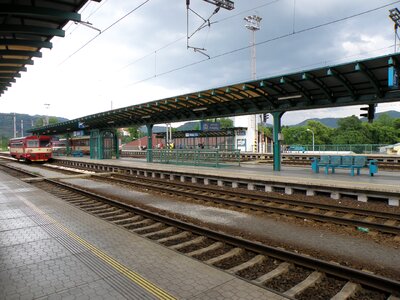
column 253, row 24
column 394, row 14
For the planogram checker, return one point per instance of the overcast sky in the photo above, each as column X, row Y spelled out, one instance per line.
column 143, row 57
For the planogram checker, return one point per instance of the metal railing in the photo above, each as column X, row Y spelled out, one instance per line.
column 196, row 157
column 355, row 148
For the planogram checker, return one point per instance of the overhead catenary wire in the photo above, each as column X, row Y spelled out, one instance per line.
column 265, row 42
column 184, row 37
column 104, row 30
column 87, row 18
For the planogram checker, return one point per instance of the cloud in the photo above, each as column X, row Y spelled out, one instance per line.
column 144, row 56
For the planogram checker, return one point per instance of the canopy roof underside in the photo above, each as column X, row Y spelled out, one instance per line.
column 354, row 83
column 26, row 27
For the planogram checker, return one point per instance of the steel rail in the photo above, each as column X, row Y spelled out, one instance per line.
column 273, row 198
column 283, row 211
column 367, row 279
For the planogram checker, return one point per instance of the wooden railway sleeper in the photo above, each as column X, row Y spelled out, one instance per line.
column 99, row 209
column 77, row 200
column 91, row 204
column 213, row 246
column 310, row 281
column 152, row 226
column 118, row 217
column 128, row 221
column 195, row 241
column 110, row 214
column 279, row 270
column 162, row 231
column 181, row 235
column 348, row 290
column 138, row 224
column 258, row 259
column 233, row 252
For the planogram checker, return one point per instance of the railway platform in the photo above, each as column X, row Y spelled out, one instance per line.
column 382, row 187
column 50, row 249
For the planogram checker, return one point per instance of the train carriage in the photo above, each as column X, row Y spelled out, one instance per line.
column 31, row 148
column 80, row 143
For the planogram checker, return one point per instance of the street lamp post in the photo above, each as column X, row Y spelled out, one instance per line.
column 140, row 141
column 308, row 129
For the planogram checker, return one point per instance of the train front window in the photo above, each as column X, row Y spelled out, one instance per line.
column 32, row 144
column 44, row 143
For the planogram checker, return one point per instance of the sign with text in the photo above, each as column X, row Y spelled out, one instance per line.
column 210, row 126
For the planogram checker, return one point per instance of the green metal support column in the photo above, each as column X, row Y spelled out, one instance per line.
column 116, row 143
column 149, row 153
column 277, row 144
column 96, row 147
column 68, row 145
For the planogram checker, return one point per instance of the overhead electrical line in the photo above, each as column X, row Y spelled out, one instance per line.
column 184, row 37
column 265, row 42
column 104, row 30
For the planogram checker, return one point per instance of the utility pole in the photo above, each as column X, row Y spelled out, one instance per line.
column 47, row 105
column 253, row 24
column 22, row 127
column 15, row 125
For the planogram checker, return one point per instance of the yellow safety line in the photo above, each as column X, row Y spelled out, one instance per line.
column 133, row 276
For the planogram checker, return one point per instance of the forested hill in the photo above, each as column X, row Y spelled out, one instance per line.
column 7, row 123
column 332, row 122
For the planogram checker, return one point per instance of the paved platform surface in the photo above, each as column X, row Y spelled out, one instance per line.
column 384, row 181
column 51, row 250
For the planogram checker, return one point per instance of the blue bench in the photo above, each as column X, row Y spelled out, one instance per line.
column 344, row 162
column 77, row 153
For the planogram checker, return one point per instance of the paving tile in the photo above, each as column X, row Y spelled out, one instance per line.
column 44, row 278
column 237, row 289
column 94, row 290
column 16, row 223
column 23, row 235
column 30, row 253
column 11, row 214
column 45, row 262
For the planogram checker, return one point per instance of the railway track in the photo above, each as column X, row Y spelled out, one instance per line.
column 363, row 219
column 293, row 275
column 384, row 222
column 279, row 270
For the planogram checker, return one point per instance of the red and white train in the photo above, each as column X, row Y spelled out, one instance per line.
column 31, row 148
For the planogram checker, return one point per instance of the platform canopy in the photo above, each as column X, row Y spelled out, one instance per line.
column 26, row 27
column 354, row 83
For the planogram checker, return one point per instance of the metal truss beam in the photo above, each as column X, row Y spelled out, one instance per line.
column 327, row 92
column 20, row 53
column 26, row 43
column 39, row 12
column 34, row 30
column 360, row 67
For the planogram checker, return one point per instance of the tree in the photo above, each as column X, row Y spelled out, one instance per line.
column 351, row 131
column 322, row 133
column 226, row 122
column 135, row 132
column 385, row 120
column 42, row 121
column 349, row 123
column 266, row 131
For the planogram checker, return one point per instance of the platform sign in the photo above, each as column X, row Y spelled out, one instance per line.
column 191, row 134
column 241, row 144
column 210, row 126
column 393, row 80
